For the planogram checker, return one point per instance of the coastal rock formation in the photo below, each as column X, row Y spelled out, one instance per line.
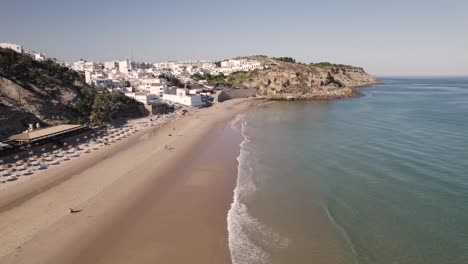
column 289, row 80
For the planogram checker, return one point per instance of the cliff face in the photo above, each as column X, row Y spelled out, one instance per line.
column 22, row 106
column 47, row 93
column 286, row 80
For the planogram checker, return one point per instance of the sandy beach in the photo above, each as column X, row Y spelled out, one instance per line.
column 160, row 195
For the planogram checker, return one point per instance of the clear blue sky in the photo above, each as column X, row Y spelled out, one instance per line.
column 410, row 37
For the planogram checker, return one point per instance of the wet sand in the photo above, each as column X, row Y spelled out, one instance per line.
column 141, row 201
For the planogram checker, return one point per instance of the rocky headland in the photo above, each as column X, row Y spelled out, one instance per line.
column 284, row 79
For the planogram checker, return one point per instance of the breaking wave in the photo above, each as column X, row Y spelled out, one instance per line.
column 248, row 237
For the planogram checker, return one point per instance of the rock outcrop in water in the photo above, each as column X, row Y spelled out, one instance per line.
column 290, row 81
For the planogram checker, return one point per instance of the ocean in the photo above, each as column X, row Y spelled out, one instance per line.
column 381, row 178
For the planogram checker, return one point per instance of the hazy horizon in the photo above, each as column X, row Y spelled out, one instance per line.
column 399, row 38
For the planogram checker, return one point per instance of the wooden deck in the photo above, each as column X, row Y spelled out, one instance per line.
column 45, row 133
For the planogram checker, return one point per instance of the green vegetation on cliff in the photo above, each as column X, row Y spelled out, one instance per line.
column 49, row 93
column 23, row 70
column 284, row 77
column 285, row 59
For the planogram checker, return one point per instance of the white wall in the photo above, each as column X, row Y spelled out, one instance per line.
column 15, row 47
column 188, row 100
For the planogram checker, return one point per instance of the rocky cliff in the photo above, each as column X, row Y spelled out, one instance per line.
column 47, row 93
column 290, row 80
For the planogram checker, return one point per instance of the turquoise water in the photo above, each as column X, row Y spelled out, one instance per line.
column 381, row 178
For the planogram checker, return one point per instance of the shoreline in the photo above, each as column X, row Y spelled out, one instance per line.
column 110, row 196
column 344, row 93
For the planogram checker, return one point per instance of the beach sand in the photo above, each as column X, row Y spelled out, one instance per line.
column 151, row 198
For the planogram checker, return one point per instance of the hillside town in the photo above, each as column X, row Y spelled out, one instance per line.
column 153, row 83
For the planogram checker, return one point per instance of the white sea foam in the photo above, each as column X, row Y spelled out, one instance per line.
column 236, row 123
column 241, row 224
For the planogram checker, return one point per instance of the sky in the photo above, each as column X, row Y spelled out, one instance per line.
column 387, row 38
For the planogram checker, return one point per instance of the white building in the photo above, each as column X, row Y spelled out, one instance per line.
column 181, row 97
column 153, row 85
column 230, row 66
column 145, row 98
column 88, row 77
column 104, row 83
column 124, row 66
column 78, row 65
column 15, row 47
column 39, row 56
column 90, row 66
column 134, row 74
column 109, row 65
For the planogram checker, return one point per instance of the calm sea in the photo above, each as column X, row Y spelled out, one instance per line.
column 376, row 179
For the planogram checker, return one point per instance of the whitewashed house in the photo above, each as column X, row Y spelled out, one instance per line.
column 15, row 47
column 147, row 99
column 109, row 65
column 183, row 98
column 153, row 85
column 103, row 82
column 39, row 56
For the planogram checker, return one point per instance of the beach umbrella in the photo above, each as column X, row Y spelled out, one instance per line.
column 12, row 178
column 28, row 172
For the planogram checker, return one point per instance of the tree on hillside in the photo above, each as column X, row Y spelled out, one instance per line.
column 285, row 59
